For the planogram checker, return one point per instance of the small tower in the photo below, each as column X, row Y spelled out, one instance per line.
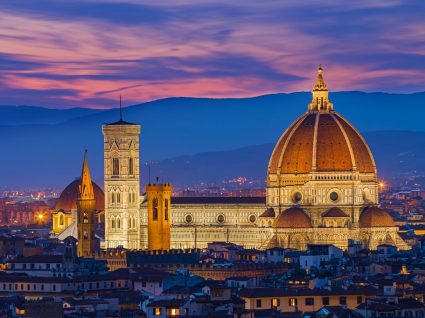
column 159, row 218
column 320, row 101
column 86, row 206
column 122, row 184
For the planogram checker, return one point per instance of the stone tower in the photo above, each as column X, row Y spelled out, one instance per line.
column 86, row 206
column 159, row 218
column 122, row 184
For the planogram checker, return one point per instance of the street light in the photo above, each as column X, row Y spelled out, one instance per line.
column 40, row 217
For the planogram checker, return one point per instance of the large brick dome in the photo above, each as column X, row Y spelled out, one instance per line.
column 321, row 142
column 68, row 199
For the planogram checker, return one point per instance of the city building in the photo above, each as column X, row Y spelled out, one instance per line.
column 322, row 188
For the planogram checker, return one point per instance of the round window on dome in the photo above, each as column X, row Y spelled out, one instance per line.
column 188, row 218
column 220, row 218
column 297, row 197
column 252, row 218
column 334, row 196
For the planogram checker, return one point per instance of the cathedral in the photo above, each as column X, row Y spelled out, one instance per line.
column 321, row 188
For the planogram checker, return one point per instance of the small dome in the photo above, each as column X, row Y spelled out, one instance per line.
column 68, row 199
column 269, row 213
column 292, row 218
column 335, row 213
column 375, row 217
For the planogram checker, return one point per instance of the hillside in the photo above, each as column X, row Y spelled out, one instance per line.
column 41, row 152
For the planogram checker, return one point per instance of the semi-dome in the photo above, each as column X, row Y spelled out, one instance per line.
column 321, row 140
column 292, row 218
column 68, row 199
column 375, row 217
column 335, row 213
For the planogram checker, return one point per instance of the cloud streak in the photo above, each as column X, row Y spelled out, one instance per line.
column 86, row 52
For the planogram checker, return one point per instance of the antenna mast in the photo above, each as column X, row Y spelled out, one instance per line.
column 120, row 109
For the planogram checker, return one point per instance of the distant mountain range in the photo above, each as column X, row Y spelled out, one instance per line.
column 207, row 139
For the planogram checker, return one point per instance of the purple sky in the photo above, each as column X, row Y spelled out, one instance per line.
column 86, row 52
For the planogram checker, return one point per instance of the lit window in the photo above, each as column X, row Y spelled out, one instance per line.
column 275, row 302
column 157, row 311
column 174, row 312
column 292, row 302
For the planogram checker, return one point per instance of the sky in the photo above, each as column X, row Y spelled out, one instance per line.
column 86, row 53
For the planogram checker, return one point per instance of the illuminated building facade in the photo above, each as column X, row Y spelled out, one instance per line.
column 122, row 185
column 159, row 217
column 322, row 188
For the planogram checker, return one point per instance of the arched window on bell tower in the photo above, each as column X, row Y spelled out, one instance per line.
column 85, row 217
column 115, row 166
column 130, row 166
column 155, row 209
column 166, row 204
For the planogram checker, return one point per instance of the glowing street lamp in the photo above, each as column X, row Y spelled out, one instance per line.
column 40, row 217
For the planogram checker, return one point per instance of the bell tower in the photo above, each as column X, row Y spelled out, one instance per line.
column 159, row 217
column 122, row 184
column 86, row 206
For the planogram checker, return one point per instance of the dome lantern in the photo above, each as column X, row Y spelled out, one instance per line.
column 320, row 101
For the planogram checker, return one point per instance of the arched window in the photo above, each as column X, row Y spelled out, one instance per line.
column 61, row 219
column 118, row 223
column 155, row 208
column 113, row 223
column 118, row 197
column 113, row 197
column 130, row 166
column 166, row 207
column 115, row 166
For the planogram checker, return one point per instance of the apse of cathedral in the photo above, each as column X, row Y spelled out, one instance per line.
column 321, row 188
